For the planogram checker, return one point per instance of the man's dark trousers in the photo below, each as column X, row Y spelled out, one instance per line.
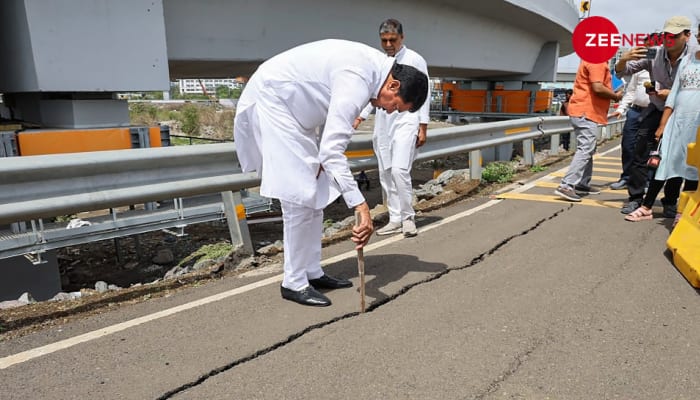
column 639, row 173
column 629, row 140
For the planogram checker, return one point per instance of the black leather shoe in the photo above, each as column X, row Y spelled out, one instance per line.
column 307, row 296
column 329, row 282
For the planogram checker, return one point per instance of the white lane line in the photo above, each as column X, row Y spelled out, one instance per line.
column 27, row 355
column 9, row 361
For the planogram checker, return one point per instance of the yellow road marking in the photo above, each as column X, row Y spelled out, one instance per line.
column 608, row 163
column 359, row 153
column 554, row 185
column 594, row 178
column 604, row 158
column 614, row 170
column 556, row 199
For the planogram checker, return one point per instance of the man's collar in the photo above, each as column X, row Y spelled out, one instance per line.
column 402, row 49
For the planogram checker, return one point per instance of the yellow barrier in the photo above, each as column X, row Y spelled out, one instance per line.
column 684, row 241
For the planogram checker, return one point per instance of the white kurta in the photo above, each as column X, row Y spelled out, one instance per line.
column 319, row 84
column 395, row 133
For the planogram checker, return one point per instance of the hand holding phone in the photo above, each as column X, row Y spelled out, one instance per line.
column 651, row 53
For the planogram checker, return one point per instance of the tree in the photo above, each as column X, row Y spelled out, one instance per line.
column 190, row 120
column 223, row 92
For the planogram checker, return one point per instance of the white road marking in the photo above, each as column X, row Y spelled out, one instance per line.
column 27, row 355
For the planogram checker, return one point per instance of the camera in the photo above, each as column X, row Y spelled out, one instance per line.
column 651, row 53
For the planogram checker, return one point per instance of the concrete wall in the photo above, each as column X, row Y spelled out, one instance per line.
column 82, row 45
column 106, row 45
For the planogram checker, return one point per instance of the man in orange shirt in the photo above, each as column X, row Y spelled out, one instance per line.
column 587, row 108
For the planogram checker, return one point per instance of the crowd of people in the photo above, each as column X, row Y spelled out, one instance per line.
column 662, row 109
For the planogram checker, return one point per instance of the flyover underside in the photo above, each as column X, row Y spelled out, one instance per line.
column 219, row 68
column 500, row 38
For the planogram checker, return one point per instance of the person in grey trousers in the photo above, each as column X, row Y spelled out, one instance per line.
column 587, row 108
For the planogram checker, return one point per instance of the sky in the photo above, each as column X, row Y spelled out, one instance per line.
column 636, row 17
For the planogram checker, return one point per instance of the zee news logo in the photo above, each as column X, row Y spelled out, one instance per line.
column 632, row 40
column 596, row 39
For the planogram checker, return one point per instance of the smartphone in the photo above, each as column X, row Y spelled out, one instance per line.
column 651, row 53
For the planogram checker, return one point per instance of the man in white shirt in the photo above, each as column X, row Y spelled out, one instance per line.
column 397, row 137
column 631, row 106
column 293, row 123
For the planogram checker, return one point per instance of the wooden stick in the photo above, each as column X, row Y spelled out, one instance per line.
column 361, row 266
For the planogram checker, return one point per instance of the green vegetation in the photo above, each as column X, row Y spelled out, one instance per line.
column 205, row 120
column 190, row 120
column 500, row 172
column 538, row 168
column 209, row 251
column 225, row 92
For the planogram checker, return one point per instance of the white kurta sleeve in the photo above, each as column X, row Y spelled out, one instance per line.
column 630, row 92
column 349, row 93
column 367, row 111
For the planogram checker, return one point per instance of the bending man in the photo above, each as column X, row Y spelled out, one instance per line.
column 293, row 124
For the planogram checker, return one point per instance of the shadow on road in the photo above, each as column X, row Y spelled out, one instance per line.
column 383, row 270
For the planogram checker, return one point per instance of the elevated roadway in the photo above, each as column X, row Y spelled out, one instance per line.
column 516, row 39
column 64, row 62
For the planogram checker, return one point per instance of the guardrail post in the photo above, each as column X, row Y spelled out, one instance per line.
column 554, row 144
column 475, row 164
column 528, row 151
column 237, row 224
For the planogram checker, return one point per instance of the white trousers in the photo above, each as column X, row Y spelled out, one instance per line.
column 396, row 183
column 303, row 228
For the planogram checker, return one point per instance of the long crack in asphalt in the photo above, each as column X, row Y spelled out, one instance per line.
column 476, row 260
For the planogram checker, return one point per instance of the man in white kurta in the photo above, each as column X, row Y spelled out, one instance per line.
column 397, row 137
column 293, row 124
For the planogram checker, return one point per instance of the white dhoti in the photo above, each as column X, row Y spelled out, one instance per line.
column 395, row 146
column 303, row 228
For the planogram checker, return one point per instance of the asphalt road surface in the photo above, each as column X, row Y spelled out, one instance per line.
column 526, row 297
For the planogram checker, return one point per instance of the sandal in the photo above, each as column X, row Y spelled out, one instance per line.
column 640, row 214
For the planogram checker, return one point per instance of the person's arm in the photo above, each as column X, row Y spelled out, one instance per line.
column 362, row 232
column 422, row 134
column 627, row 99
column 597, row 75
column 349, row 92
column 424, row 111
column 662, row 124
column 563, row 110
column 603, row 91
column 632, row 61
column 363, row 115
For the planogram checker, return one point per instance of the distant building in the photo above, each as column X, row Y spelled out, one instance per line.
column 193, row 86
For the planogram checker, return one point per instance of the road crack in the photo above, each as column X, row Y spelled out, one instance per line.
column 474, row 261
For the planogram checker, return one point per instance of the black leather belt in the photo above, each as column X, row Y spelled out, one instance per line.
column 637, row 108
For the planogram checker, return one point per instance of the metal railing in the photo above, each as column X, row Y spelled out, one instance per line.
column 36, row 187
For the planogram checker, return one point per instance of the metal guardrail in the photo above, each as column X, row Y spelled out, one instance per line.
column 36, row 187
